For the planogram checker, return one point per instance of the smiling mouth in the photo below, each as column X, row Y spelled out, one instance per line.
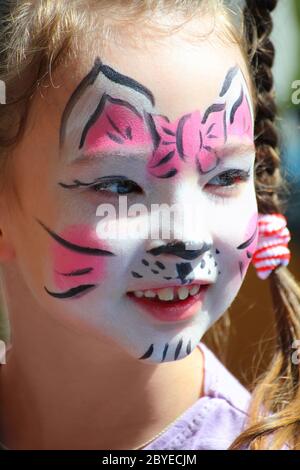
column 169, row 294
column 171, row 303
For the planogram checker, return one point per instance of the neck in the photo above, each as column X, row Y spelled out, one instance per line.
column 66, row 387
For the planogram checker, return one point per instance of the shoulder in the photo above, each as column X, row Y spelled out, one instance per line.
column 216, row 419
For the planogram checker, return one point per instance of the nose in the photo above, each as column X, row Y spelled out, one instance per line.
column 182, row 231
column 187, row 250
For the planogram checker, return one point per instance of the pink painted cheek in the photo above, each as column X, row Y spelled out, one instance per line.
column 247, row 253
column 67, row 261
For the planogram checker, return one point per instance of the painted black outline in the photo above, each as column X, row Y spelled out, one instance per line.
column 183, row 270
column 77, row 248
column 78, row 272
column 228, row 79
column 199, row 167
column 214, row 108
column 74, row 291
column 77, row 183
column 178, row 349
column 236, row 105
column 89, row 80
column 248, row 242
column 178, row 248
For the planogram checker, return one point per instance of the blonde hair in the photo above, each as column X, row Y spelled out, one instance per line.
column 37, row 36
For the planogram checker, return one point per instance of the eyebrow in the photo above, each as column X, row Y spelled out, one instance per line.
column 102, row 154
column 235, row 149
column 224, row 151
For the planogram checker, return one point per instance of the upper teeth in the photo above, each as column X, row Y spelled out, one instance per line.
column 169, row 293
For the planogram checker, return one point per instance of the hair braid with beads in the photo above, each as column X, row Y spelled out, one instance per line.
column 275, row 407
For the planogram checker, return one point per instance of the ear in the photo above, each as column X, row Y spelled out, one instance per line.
column 7, row 252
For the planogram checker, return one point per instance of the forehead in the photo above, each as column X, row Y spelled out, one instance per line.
column 169, row 78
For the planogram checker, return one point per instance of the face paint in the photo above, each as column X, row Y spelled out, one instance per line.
column 115, row 118
column 194, row 137
column 248, row 247
column 79, row 259
column 116, row 123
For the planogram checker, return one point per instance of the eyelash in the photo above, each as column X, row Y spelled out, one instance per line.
column 102, row 186
column 234, row 174
column 241, row 175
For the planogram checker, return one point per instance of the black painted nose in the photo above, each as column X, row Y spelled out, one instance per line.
column 180, row 249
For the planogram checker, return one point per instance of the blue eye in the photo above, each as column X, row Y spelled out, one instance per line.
column 226, row 184
column 230, row 178
column 117, row 186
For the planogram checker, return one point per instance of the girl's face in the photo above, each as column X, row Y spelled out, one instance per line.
column 169, row 123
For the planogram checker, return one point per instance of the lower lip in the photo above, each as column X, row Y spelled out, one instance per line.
column 173, row 310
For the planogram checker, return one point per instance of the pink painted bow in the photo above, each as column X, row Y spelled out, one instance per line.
column 191, row 138
column 194, row 137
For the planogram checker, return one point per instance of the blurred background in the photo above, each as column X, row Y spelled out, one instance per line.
column 252, row 320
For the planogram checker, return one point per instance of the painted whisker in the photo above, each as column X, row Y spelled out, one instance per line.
column 74, row 291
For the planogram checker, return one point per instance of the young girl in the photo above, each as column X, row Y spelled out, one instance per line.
column 139, row 104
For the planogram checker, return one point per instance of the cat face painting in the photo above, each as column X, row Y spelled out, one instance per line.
column 155, row 298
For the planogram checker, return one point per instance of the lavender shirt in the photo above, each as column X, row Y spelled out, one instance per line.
column 216, row 419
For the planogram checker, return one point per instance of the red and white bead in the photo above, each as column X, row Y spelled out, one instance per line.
column 272, row 248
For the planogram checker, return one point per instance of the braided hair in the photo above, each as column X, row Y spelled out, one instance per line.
column 275, row 407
